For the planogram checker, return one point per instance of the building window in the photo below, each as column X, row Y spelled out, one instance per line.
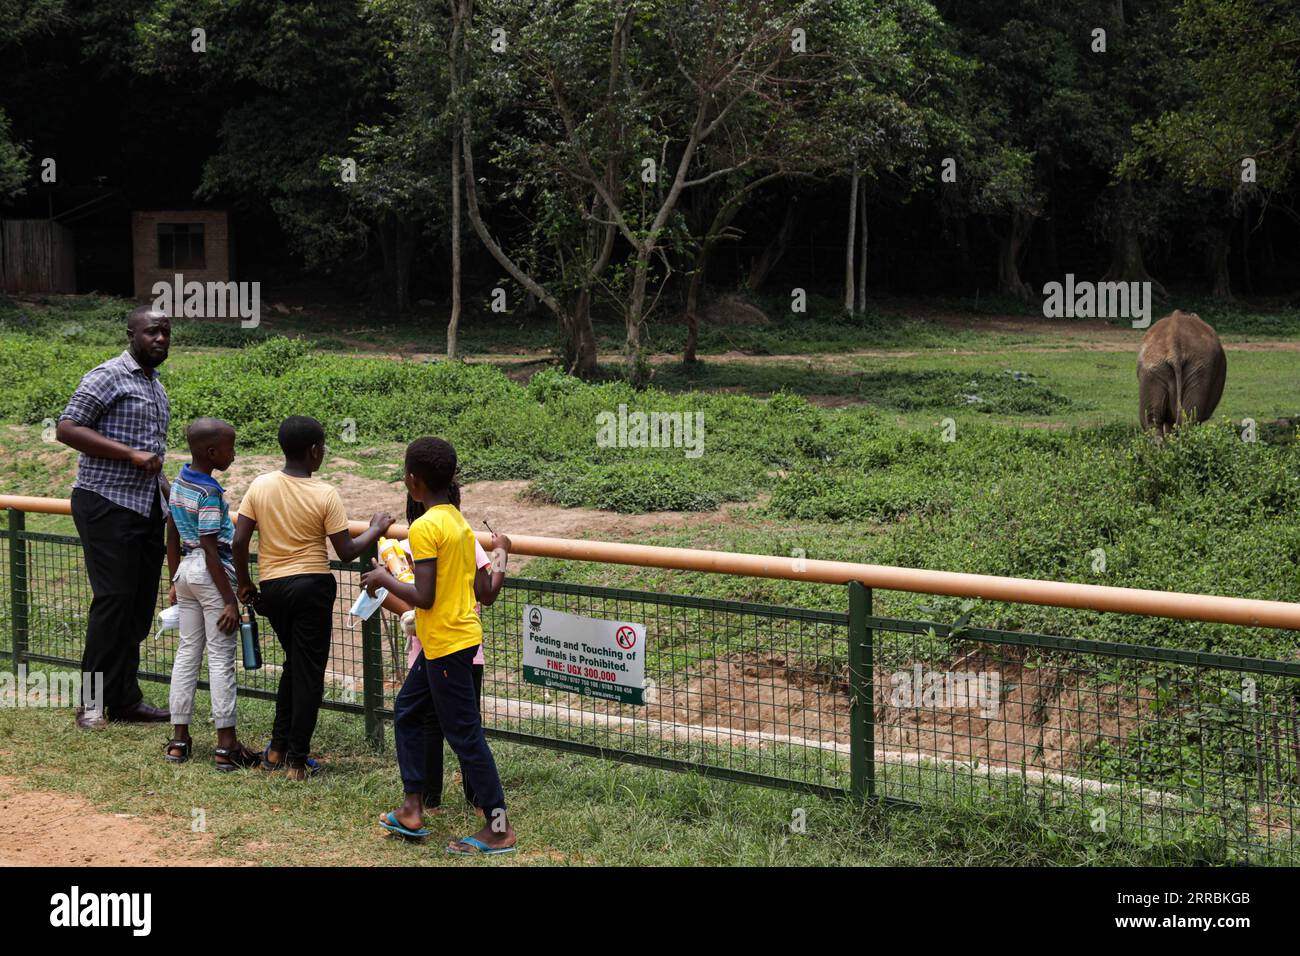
column 180, row 245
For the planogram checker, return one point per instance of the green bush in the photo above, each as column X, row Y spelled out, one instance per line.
column 1202, row 512
column 636, row 485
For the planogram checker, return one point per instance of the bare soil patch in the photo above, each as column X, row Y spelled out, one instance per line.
column 49, row 828
column 1045, row 717
column 502, row 503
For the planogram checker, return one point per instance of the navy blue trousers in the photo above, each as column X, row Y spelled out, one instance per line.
column 445, row 686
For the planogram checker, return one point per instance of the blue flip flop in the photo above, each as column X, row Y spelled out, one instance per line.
column 480, row 848
column 390, row 822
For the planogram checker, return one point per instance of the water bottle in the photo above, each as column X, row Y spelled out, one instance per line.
column 248, row 635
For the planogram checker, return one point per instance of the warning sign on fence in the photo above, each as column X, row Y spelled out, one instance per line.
column 584, row 655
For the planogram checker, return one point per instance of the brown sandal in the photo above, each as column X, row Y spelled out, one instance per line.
column 237, row 758
column 186, row 748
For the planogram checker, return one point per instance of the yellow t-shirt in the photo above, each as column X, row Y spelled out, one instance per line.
column 451, row 624
column 294, row 517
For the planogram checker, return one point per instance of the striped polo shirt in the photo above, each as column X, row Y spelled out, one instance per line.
column 198, row 507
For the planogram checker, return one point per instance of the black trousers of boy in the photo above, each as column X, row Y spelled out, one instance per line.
column 433, row 747
column 300, row 609
column 124, row 554
column 446, row 686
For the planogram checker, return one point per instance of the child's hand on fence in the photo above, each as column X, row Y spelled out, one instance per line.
column 229, row 619
column 500, row 542
column 381, row 520
column 376, row 578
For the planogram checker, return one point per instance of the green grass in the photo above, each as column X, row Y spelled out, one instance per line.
column 1079, row 387
column 1046, row 467
column 567, row 809
column 1205, row 513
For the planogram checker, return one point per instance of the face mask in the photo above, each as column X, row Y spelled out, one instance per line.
column 169, row 619
column 365, row 605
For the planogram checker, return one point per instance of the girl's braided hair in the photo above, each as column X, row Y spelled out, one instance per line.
column 433, row 460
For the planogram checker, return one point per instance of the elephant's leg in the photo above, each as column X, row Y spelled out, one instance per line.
column 1218, row 375
column 1201, row 392
column 1155, row 402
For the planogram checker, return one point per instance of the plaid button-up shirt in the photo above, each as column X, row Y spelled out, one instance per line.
column 126, row 402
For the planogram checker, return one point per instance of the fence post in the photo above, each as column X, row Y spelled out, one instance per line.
column 18, row 588
column 372, row 667
column 862, row 716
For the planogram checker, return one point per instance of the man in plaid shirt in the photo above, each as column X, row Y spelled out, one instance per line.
column 117, row 418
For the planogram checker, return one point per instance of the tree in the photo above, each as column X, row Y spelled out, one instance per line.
column 1237, row 135
column 21, row 20
column 289, row 85
column 14, row 160
column 1049, row 105
column 1135, row 78
column 887, row 97
column 399, row 181
column 630, row 124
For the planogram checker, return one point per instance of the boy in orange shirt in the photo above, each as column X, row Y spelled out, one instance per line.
column 293, row 513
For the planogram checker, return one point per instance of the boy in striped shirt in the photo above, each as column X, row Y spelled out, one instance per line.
column 199, row 533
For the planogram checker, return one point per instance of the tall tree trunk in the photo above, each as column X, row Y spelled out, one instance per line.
column 860, row 296
column 1247, row 282
column 463, row 12
column 453, row 325
column 1221, row 282
column 775, row 248
column 404, row 247
column 636, row 305
column 1010, row 246
column 1051, row 257
column 386, row 232
column 692, row 308
column 1126, row 261
column 849, row 244
column 580, row 338
column 717, row 228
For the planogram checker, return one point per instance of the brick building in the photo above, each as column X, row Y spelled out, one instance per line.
column 194, row 242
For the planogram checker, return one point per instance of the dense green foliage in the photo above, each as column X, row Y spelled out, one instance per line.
column 1093, row 139
column 1205, row 512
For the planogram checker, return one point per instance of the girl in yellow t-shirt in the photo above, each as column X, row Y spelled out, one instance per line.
column 442, row 679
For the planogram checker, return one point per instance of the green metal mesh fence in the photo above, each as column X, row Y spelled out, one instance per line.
column 1153, row 743
column 1142, row 742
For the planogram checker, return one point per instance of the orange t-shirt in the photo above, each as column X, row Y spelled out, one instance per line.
column 294, row 517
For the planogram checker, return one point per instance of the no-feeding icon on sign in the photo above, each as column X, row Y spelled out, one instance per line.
column 626, row 637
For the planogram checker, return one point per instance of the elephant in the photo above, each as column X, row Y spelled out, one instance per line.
column 1181, row 369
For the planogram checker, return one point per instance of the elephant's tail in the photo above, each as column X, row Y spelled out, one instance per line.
column 1179, row 413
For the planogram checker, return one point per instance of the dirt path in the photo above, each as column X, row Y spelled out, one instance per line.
column 49, row 828
column 1115, row 340
column 500, row 502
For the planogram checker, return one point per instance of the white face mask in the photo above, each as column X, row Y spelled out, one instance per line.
column 169, row 619
column 365, row 605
